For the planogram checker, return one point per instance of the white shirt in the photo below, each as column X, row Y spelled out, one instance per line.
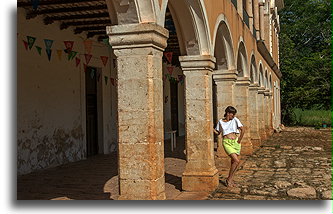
column 229, row 127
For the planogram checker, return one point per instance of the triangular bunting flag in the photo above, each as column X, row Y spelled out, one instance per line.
column 77, row 61
column 71, row 55
column 25, row 44
column 181, row 78
column 87, row 46
column 170, row 69
column 48, row 43
column 59, row 53
column 84, row 67
column 168, row 56
column 112, row 81
column 49, row 52
column 104, row 60
column 106, row 80
column 39, row 49
column 31, row 41
column 69, row 46
column 88, row 57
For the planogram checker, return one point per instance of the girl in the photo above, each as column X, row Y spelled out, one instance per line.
column 230, row 126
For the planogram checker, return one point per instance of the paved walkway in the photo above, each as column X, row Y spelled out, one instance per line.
column 292, row 165
column 284, row 168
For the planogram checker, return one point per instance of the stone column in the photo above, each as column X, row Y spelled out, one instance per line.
column 254, row 115
column 240, row 8
column 250, row 13
column 267, row 112
column 256, row 17
column 200, row 172
column 225, row 83
column 261, row 115
column 261, row 19
column 139, row 49
column 242, row 106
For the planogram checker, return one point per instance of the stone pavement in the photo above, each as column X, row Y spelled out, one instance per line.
column 292, row 165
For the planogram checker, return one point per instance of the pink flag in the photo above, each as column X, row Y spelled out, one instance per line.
column 77, row 61
column 170, row 69
column 104, row 60
column 69, row 45
column 25, row 44
column 168, row 56
column 88, row 57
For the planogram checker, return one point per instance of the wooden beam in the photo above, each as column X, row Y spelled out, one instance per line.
column 33, row 13
column 92, row 28
column 65, row 25
column 94, row 33
column 51, row 19
column 56, row 2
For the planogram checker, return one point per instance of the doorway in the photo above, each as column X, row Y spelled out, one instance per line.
column 91, row 111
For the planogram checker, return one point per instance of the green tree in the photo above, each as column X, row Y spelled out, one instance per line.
column 305, row 56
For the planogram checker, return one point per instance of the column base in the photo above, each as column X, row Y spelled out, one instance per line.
column 161, row 196
column 256, row 142
column 200, row 181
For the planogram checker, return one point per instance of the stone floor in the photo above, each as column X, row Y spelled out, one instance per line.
column 293, row 164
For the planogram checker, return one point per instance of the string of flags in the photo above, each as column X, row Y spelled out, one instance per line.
column 170, row 68
column 71, row 54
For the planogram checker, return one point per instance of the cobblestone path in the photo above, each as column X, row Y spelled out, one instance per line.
column 292, row 165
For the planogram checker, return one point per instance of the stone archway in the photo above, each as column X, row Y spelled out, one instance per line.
column 141, row 166
column 261, row 101
column 224, row 77
column 242, row 96
column 253, row 104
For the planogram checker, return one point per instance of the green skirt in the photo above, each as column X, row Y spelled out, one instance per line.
column 231, row 146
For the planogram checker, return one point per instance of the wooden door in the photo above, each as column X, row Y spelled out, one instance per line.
column 91, row 111
column 174, row 105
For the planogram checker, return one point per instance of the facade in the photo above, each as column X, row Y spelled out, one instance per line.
column 168, row 65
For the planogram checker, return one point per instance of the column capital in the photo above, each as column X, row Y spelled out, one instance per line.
column 197, row 62
column 137, row 36
column 225, row 75
column 261, row 90
column 244, row 81
column 254, row 86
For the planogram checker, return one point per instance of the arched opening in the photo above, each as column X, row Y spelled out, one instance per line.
column 253, row 71
column 242, row 61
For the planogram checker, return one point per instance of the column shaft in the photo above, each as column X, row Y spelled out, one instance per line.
column 242, row 106
column 139, row 49
column 200, row 172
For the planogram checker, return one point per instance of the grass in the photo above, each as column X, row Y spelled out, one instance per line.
column 315, row 118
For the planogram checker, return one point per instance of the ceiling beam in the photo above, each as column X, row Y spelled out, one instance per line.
column 51, row 19
column 34, row 13
column 92, row 28
column 65, row 25
column 55, row 2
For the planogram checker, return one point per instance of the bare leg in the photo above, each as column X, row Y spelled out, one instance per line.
column 234, row 165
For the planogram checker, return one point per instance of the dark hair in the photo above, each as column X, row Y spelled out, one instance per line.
column 230, row 109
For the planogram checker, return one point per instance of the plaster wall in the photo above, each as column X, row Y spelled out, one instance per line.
column 51, row 113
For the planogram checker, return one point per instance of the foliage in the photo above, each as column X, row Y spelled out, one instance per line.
column 315, row 118
column 305, row 56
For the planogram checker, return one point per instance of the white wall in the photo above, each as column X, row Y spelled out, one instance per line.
column 51, row 98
